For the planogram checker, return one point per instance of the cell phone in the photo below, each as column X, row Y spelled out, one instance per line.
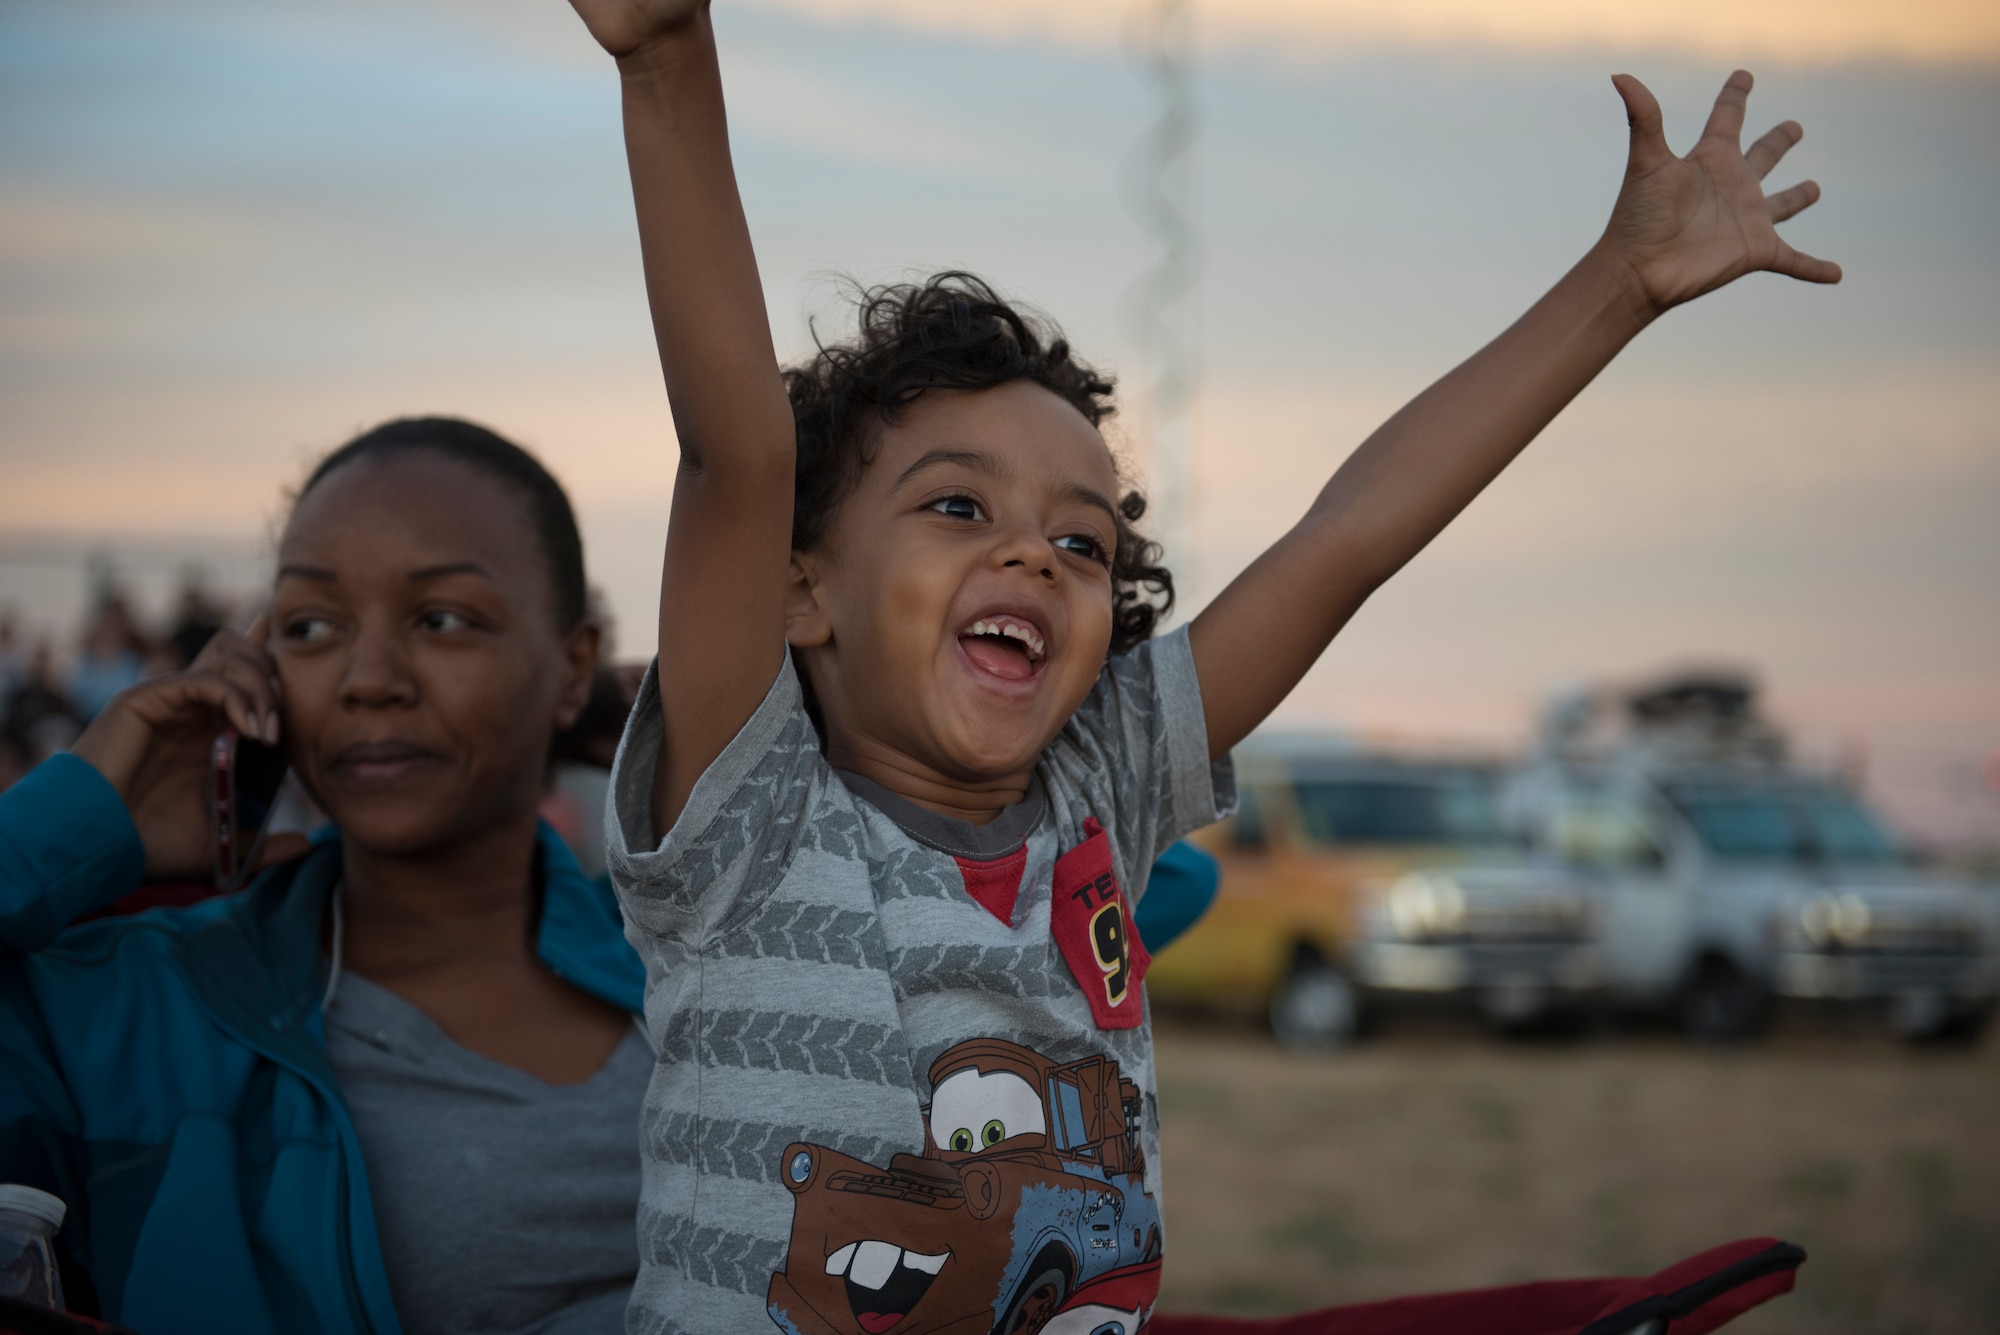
column 244, row 778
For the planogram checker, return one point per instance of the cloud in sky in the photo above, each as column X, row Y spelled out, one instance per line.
column 1952, row 32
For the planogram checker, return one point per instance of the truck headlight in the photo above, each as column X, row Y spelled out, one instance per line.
column 1422, row 905
column 1834, row 920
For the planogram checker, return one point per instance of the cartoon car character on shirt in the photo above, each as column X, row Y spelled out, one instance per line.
column 1026, row 1212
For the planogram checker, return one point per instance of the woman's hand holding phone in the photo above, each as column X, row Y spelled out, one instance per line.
column 153, row 744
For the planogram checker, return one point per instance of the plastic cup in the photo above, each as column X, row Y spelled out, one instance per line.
column 28, row 1222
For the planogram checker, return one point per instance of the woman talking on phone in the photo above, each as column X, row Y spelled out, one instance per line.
column 435, row 991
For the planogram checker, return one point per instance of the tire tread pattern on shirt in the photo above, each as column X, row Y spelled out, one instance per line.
column 739, row 1262
column 744, row 1150
column 788, row 1041
column 805, row 933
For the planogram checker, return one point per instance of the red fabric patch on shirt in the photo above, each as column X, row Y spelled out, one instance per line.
column 995, row 885
column 1093, row 927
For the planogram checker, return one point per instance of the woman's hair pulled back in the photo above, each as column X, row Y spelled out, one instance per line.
column 501, row 459
column 951, row 331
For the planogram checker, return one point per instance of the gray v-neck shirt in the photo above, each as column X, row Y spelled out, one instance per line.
column 505, row 1205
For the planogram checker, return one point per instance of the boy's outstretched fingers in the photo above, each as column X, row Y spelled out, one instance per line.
column 1806, row 268
column 1726, row 121
column 1765, row 153
column 1642, row 113
column 1786, row 203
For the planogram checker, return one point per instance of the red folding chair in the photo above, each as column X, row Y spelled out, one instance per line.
column 1701, row 1294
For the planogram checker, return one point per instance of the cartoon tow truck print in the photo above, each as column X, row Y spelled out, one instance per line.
column 1027, row 1211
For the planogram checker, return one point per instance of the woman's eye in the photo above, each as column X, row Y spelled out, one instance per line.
column 440, row 619
column 959, row 507
column 1079, row 544
column 308, row 630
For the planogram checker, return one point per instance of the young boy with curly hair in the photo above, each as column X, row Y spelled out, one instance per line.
column 878, row 822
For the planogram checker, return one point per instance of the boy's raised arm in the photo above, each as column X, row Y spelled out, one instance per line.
column 1681, row 227
column 722, row 587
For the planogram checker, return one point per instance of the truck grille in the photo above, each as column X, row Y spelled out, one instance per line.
column 1489, row 965
column 1918, row 936
column 1523, row 923
column 1861, row 976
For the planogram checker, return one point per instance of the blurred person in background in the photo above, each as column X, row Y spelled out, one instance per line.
column 580, row 764
column 13, row 661
column 196, row 619
column 113, row 655
column 14, row 757
column 580, row 767
column 36, row 717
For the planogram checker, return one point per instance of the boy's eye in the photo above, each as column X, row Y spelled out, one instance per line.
column 1081, row 544
column 959, row 507
column 444, row 620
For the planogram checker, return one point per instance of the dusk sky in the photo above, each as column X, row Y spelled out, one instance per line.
column 232, row 234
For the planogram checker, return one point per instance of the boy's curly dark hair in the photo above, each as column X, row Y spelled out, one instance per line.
column 951, row 331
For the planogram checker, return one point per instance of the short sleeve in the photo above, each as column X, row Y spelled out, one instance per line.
column 1137, row 753
column 739, row 829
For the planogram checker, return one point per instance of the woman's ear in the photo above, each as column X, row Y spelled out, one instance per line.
column 580, row 650
column 806, row 624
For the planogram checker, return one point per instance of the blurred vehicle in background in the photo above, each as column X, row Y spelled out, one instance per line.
column 1729, row 878
column 1355, row 884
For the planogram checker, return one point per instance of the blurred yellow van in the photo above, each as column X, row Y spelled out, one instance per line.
column 1356, row 883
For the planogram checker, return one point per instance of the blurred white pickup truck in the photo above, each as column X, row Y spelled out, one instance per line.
column 1728, row 879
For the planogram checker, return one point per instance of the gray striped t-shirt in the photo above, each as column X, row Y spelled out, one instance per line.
column 905, row 1073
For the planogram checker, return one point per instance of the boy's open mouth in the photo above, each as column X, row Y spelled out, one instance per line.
column 883, row 1281
column 1005, row 646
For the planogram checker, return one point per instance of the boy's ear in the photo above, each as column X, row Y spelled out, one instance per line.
column 806, row 624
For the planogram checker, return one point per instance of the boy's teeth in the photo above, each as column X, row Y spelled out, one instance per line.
column 1026, row 636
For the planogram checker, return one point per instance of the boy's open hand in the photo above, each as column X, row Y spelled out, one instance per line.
column 623, row 26
column 1686, row 226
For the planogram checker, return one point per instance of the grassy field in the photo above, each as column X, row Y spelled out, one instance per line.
column 1443, row 1159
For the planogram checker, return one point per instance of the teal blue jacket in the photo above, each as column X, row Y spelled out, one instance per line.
column 165, row 1073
